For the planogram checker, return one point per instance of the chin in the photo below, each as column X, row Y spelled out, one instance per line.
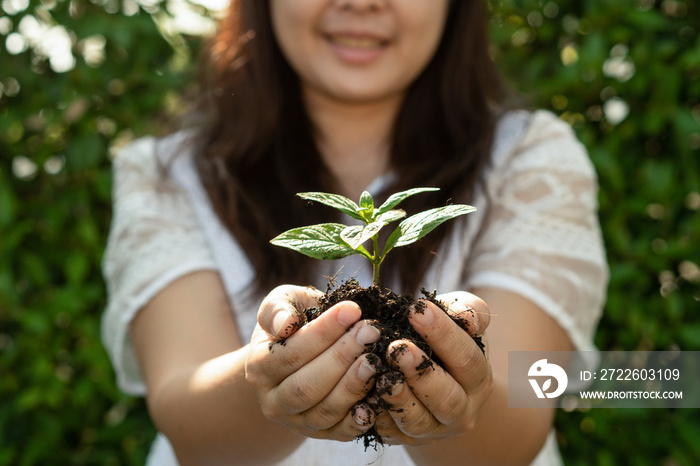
column 357, row 94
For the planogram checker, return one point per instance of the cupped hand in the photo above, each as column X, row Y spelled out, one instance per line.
column 312, row 379
column 426, row 402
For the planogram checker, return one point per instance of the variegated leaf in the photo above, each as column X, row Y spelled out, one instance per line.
column 417, row 226
column 336, row 201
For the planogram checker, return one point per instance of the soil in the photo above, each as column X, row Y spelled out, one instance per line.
column 389, row 312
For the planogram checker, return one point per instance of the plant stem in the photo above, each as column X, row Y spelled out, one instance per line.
column 375, row 273
column 376, row 260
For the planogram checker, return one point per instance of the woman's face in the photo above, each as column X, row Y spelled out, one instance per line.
column 358, row 50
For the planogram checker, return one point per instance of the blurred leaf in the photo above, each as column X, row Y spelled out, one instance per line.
column 8, row 204
column 650, row 20
column 690, row 336
column 77, row 267
column 34, row 268
column 85, row 151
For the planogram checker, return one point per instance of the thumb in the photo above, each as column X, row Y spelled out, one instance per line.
column 468, row 310
column 280, row 313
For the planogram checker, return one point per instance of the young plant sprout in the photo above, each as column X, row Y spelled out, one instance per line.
column 388, row 311
column 330, row 241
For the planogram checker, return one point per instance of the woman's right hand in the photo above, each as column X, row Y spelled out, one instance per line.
column 313, row 380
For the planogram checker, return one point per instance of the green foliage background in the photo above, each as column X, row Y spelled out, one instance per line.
column 625, row 74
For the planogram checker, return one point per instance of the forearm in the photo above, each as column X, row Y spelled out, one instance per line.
column 501, row 435
column 211, row 416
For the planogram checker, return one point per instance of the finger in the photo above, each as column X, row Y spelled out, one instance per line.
column 358, row 420
column 344, row 397
column 269, row 364
column 390, row 434
column 403, row 419
column 468, row 310
column 279, row 312
column 315, row 381
column 435, row 401
column 410, row 415
column 388, row 431
column 363, row 415
column 461, row 355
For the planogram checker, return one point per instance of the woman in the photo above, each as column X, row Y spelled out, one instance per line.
column 343, row 96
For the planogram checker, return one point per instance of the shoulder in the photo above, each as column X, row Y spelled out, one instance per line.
column 520, row 130
column 543, row 142
column 546, row 128
column 147, row 151
column 147, row 159
column 137, row 153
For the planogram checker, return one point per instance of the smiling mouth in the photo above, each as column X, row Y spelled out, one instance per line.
column 357, row 42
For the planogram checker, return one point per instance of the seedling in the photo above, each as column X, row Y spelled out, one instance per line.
column 330, row 241
column 388, row 312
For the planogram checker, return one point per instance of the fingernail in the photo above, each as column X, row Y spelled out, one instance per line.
column 362, row 415
column 372, row 400
column 405, row 359
column 390, row 384
column 396, row 351
column 467, row 321
column 348, row 314
column 367, row 335
column 470, row 315
column 361, row 420
column 365, row 371
column 422, row 313
column 280, row 321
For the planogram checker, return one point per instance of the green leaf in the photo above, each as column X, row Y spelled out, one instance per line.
column 76, row 267
column 366, row 210
column 396, row 198
column 336, row 201
column 417, row 226
column 320, row 241
column 354, row 236
column 366, row 201
column 8, row 201
column 690, row 335
column 391, row 216
column 84, row 152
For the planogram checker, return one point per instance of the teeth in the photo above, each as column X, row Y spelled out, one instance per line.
column 358, row 42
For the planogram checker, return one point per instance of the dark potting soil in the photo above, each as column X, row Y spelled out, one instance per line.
column 389, row 313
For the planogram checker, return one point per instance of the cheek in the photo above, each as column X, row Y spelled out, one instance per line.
column 424, row 24
column 421, row 42
column 291, row 21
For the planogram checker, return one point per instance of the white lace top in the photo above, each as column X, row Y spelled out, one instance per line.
column 538, row 236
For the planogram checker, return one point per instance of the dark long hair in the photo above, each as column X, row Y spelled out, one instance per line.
column 256, row 146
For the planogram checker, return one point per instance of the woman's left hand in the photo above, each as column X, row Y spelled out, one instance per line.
column 429, row 403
